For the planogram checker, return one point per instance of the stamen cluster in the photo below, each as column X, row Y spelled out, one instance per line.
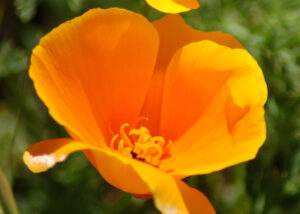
column 140, row 145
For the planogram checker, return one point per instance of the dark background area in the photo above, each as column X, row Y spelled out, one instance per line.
column 270, row 184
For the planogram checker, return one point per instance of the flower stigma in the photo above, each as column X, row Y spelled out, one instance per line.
column 140, row 145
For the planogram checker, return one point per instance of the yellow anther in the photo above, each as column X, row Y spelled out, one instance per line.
column 121, row 145
column 127, row 152
column 139, row 144
column 113, row 141
column 124, row 136
column 138, row 148
column 138, row 120
column 159, row 140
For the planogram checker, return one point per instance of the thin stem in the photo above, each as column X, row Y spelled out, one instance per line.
column 6, row 196
column 19, row 116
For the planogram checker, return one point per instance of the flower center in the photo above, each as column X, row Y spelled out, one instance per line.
column 140, row 145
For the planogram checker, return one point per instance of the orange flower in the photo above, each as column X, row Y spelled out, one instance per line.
column 148, row 103
column 173, row 6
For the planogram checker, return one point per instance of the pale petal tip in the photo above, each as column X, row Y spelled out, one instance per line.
column 169, row 208
column 41, row 163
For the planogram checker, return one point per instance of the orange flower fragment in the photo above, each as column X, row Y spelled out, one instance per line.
column 173, row 6
column 148, row 103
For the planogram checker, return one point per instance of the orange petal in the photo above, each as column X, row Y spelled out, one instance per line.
column 210, row 146
column 127, row 174
column 218, row 105
column 174, row 33
column 93, row 72
column 152, row 104
column 44, row 155
column 194, row 200
column 195, row 75
column 170, row 195
column 117, row 170
column 173, row 6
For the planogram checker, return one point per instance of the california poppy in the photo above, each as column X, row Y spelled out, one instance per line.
column 148, row 103
column 173, row 6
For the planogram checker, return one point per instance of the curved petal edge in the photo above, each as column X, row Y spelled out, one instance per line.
column 46, row 154
column 173, row 6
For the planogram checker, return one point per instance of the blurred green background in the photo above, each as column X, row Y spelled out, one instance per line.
column 270, row 184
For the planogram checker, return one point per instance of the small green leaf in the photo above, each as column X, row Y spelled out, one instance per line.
column 292, row 186
column 75, row 5
column 12, row 60
column 25, row 9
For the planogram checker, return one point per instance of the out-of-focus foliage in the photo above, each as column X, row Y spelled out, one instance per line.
column 12, row 60
column 270, row 184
